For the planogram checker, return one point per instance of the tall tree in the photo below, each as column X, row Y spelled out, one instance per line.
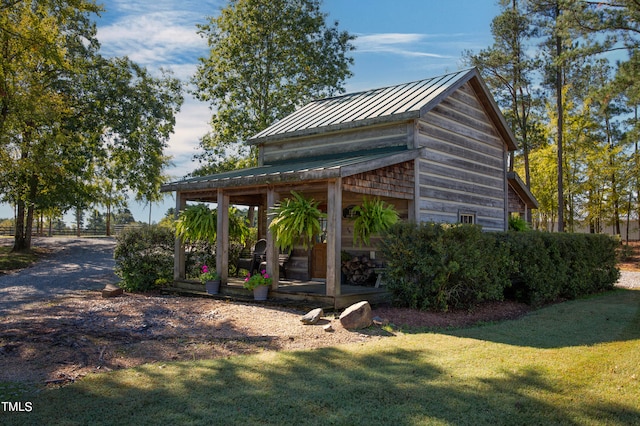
column 266, row 58
column 66, row 112
column 508, row 70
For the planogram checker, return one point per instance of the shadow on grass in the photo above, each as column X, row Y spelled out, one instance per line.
column 326, row 386
column 609, row 317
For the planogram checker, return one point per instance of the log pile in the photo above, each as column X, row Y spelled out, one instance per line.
column 360, row 270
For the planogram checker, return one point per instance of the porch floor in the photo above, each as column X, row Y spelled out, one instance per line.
column 306, row 293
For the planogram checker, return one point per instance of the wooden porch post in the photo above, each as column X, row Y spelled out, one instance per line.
column 334, row 237
column 222, row 238
column 179, row 268
column 273, row 267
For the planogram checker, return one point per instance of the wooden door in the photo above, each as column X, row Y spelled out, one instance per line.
column 319, row 260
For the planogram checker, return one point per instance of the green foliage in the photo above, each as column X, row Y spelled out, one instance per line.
column 548, row 266
column 200, row 223
column 261, row 279
column 434, row 266
column 518, row 223
column 254, row 77
column 144, row 257
column 295, row 220
column 372, row 217
column 197, row 223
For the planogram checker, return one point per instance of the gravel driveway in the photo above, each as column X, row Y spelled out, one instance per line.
column 75, row 264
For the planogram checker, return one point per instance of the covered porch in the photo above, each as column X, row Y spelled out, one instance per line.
column 337, row 184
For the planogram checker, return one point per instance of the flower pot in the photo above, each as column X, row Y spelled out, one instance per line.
column 213, row 286
column 261, row 292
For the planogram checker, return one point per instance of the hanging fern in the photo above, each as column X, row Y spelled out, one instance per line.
column 295, row 220
column 372, row 217
column 199, row 223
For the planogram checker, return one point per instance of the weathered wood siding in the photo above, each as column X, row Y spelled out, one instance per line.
column 392, row 181
column 463, row 168
column 336, row 143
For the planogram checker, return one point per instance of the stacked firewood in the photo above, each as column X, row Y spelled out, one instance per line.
column 359, row 270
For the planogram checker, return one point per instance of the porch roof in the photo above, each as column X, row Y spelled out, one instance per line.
column 319, row 168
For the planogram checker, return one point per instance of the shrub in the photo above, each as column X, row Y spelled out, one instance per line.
column 548, row 266
column 144, row 257
column 434, row 266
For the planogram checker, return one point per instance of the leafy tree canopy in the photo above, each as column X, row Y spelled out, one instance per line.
column 267, row 57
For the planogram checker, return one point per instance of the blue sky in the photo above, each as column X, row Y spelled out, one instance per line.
column 398, row 41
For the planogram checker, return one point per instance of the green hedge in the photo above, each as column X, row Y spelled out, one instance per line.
column 436, row 266
column 551, row 266
column 144, row 257
column 432, row 266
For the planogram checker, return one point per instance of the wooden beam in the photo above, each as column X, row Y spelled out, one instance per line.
column 334, row 237
column 222, row 238
column 273, row 267
column 179, row 268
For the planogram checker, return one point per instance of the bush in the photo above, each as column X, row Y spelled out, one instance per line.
column 550, row 266
column 144, row 257
column 436, row 266
column 433, row 266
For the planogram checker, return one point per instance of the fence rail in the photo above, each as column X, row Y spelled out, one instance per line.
column 115, row 230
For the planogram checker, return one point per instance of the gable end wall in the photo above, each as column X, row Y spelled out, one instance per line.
column 463, row 166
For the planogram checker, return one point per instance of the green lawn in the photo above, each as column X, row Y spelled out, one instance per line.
column 576, row 363
column 11, row 261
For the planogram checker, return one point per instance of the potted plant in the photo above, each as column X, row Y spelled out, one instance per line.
column 259, row 284
column 295, row 220
column 210, row 279
column 372, row 217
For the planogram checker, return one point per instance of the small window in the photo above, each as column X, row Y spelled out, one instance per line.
column 467, row 218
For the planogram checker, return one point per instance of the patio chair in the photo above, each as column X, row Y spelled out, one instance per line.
column 252, row 263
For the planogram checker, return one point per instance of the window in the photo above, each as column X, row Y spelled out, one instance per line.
column 467, row 218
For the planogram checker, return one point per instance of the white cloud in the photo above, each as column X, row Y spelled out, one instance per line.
column 153, row 39
column 403, row 44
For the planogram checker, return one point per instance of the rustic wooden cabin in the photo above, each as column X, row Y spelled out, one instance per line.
column 437, row 149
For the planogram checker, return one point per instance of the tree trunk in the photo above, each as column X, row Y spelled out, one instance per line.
column 560, row 112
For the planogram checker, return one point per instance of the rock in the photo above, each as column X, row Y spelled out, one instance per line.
column 312, row 317
column 356, row 316
column 111, row 290
column 380, row 321
column 328, row 328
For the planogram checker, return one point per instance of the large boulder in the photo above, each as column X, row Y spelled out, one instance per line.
column 357, row 316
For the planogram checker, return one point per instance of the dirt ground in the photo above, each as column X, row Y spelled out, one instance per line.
column 58, row 341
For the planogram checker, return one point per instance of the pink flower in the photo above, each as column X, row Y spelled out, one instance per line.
column 205, row 269
column 266, row 275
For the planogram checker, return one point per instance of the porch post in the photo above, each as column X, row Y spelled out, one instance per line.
column 334, row 237
column 273, row 267
column 179, row 271
column 222, row 238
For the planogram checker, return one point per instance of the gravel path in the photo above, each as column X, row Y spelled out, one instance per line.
column 629, row 279
column 76, row 264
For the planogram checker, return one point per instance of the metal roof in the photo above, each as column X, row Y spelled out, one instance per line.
column 318, row 168
column 399, row 102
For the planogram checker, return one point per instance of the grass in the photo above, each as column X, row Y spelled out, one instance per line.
column 11, row 261
column 571, row 363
